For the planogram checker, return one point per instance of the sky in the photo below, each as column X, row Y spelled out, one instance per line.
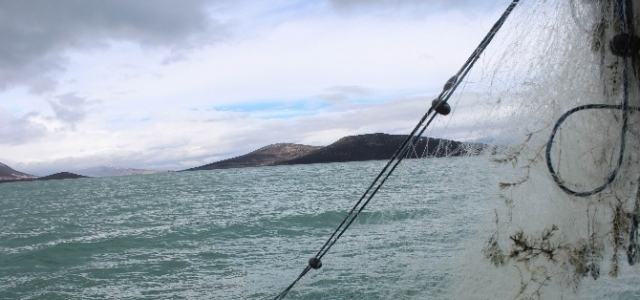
column 168, row 85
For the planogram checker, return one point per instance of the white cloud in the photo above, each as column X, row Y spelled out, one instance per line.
column 296, row 72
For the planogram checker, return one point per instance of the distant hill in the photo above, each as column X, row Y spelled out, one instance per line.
column 56, row 176
column 61, row 175
column 106, row 171
column 265, row 156
column 7, row 173
column 375, row 146
column 380, row 146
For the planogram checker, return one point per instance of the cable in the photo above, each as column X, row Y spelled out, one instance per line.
column 438, row 106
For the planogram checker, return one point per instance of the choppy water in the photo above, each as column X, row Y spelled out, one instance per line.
column 242, row 233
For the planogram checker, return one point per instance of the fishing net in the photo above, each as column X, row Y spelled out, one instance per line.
column 556, row 108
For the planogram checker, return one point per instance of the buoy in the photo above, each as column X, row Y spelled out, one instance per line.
column 441, row 107
column 625, row 45
column 315, row 263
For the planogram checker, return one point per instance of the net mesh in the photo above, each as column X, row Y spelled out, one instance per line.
column 543, row 243
column 538, row 242
column 526, row 238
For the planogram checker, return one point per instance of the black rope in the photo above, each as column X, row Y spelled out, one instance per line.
column 612, row 176
column 284, row 293
column 401, row 152
column 632, row 249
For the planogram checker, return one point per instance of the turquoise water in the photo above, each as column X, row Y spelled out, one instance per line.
column 242, row 233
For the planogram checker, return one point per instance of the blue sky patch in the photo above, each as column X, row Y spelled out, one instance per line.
column 276, row 110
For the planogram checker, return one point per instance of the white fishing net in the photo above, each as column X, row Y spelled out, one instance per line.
column 545, row 243
column 527, row 238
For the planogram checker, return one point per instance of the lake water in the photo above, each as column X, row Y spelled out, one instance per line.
column 247, row 233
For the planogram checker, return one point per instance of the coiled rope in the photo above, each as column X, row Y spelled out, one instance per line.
column 625, row 44
column 439, row 105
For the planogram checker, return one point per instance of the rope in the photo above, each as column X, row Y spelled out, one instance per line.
column 612, row 176
column 401, row 152
column 632, row 249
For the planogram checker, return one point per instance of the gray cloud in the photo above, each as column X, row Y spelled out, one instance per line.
column 409, row 6
column 70, row 108
column 36, row 33
column 19, row 130
column 344, row 92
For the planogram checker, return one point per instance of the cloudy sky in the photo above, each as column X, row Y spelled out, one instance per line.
column 174, row 84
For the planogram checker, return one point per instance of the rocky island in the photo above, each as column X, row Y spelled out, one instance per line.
column 56, row 176
column 380, row 146
column 266, row 156
column 377, row 146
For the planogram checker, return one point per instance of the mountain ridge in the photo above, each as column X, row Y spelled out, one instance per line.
column 56, row 176
column 7, row 173
column 374, row 146
column 108, row 171
column 266, row 156
column 380, row 146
